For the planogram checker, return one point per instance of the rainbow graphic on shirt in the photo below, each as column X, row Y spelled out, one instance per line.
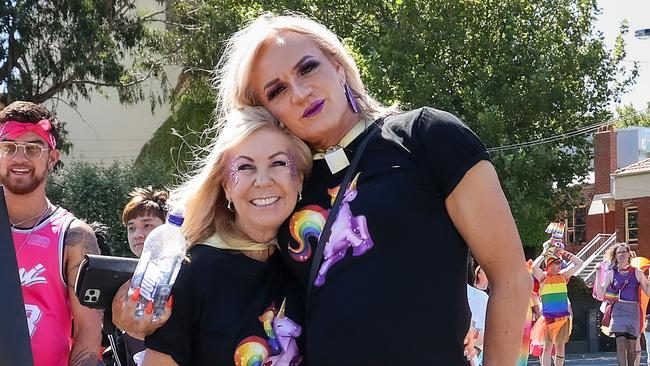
column 305, row 225
column 251, row 351
column 555, row 302
column 267, row 324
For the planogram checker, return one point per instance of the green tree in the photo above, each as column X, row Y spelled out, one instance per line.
column 99, row 193
column 72, row 47
column 514, row 71
column 628, row 116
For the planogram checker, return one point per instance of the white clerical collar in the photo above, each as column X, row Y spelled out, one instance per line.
column 335, row 155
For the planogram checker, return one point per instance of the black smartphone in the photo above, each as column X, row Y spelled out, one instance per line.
column 100, row 277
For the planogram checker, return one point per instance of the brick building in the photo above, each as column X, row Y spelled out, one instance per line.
column 619, row 199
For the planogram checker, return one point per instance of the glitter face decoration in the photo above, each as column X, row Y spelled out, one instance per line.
column 293, row 169
column 243, row 168
column 234, row 177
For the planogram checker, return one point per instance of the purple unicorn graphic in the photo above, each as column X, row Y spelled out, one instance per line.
column 286, row 332
column 347, row 231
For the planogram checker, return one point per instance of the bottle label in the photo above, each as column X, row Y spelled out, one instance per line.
column 152, row 276
column 176, row 220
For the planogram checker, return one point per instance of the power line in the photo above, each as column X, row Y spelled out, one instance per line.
column 577, row 132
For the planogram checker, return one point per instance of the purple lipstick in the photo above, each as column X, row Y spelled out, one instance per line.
column 314, row 108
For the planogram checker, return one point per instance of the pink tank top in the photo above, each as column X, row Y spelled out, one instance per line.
column 39, row 253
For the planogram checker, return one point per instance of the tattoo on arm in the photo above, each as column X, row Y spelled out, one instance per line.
column 80, row 235
column 83, row 358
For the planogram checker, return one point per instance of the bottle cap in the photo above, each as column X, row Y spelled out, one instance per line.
column 176, row 215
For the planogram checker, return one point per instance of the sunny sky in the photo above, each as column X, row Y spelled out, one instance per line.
column 637, row 13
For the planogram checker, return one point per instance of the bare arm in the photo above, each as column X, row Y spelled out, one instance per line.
column 643, row 281
column 80, row 240
column 537, row 270
column 481, row 214
column 576, row 263
column 155, row 358
column 609, row 277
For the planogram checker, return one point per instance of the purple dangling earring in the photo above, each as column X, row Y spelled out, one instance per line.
column 350, row 97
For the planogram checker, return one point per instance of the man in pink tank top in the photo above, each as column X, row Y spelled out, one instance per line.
column 50, row 243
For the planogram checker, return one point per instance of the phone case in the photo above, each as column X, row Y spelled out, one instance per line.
column 100, row 277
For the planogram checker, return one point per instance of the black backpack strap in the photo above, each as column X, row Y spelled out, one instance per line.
column 327, row 229
column 15, row 345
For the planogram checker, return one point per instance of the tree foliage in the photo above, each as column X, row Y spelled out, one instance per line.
column 628, row 116
column 99, row 193
column 514, row 71
column 55, row 47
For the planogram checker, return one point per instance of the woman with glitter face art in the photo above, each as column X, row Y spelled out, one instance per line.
column 232, row 303
column 378, row 291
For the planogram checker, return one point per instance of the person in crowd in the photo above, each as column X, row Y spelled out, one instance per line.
column 232, row 301
column 481, row 281
column 424, row 185
column 101, row 234
column 145, row 211
column 553, row 329
column 532, row 314
column 478, row 301
column 625, row 281
column 50, row 242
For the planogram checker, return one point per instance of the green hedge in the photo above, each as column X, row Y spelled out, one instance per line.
column 99, row 192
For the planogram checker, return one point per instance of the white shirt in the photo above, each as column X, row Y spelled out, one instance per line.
column 478, row 301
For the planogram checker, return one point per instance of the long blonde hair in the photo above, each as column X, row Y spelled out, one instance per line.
column 202, row 193
column 232, row 74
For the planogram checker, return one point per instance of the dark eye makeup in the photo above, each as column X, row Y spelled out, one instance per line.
column 304, row 69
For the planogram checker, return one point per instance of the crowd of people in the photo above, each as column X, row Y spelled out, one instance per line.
column 312, row 226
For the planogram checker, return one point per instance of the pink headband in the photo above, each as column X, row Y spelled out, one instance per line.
column 14, row 129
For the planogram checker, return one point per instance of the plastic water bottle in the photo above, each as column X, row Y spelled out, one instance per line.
column 162, row 255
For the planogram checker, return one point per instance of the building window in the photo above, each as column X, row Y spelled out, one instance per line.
column 576, row 226
column 632, row 225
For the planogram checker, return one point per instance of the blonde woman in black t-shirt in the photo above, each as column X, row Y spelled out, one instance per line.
column 391, row 286
column 232, row 303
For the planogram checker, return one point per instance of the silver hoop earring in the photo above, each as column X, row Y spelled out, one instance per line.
column 299, row 196
column 230, row 207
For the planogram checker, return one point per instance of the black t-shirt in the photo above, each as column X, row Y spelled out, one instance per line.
column 394, row 292
column 221, row 310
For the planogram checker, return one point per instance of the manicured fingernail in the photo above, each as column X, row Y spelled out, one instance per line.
column 466, row 354
column 465, row 341
column 149, row 308
column 136, row 294
column 170, row 302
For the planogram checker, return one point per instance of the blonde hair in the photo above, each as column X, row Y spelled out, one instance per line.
column 232, row 73
column 202, row 193
column 611, row 253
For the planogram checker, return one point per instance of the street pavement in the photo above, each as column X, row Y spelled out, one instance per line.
column 592, row 359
